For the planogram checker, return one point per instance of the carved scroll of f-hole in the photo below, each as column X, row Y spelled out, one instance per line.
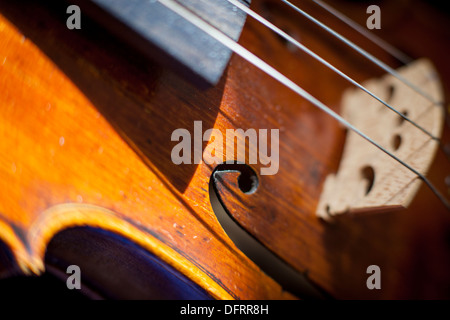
column 368, row 179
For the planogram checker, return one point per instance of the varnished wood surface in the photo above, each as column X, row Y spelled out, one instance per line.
column 86, row 121
column 40, row 179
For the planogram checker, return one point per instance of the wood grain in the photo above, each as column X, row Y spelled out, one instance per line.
column 57, row 161
column 86, row 120
column 388, row 184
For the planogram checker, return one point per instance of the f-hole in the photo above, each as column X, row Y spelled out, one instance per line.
column 368, row 174
column 248, row 183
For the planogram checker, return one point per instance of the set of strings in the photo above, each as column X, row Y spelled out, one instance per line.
column 400, row 56
column 269, row 70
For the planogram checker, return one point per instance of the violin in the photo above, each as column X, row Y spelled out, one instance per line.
column 264, row 149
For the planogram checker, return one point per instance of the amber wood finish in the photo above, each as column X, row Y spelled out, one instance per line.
column 86, row 125
column 42, row 111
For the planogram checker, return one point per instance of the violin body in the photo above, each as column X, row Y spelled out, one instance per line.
column 86, row 125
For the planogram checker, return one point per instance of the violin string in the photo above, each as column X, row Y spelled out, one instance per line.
column 281, row 78
column 364, row 53
column 399, row 55
column 302, row 47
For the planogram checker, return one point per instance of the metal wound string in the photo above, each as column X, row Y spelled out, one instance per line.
column 364, row 53
column 393, row 51
column 302, row 47
column 278, row 76
column 400, row 56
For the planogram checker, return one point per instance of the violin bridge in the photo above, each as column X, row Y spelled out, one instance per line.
column 369, row 180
